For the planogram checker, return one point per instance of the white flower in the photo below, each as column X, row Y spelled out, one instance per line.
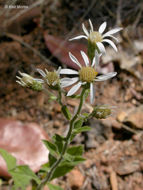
column 97, row 37
column 26, row 80
column 52, row 78
column 86, row 75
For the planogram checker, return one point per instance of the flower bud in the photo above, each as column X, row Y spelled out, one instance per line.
column 101, row 112
column 36, row 86
column 29, row 82
column 51, row 78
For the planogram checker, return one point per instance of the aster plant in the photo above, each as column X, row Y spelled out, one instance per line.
column 62, row 156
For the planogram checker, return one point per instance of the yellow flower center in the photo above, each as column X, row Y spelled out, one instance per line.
column 87, row 74
column 95, row 37
column 52, row 77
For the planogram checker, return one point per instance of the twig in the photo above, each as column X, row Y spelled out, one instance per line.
column 138, row 16
column 129, row 129
column 43, row 7
column 36, row 52
column 118, row 14
column 113, row 180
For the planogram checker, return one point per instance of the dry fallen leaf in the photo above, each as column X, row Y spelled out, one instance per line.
column 61, row 48
column 24, row 141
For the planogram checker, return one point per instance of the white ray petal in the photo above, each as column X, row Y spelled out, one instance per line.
column 83, row 83
column 54, row 83
column 41, row 72
column 20, row 73
column 96, row 59
column 74, row 59
column 92, row 93
column 74, row 89
column 85, row 58
column 58, row 71
column 68, row 81
column 47, row 82
column 18, row 82
column 18, row 77
column 91, row 25
column 38, row 80
column 102, row 27
column 68, row 71
column 85, row 30
column 106, row 76
column 101, row 47
column 23, row 74
column 93, row 62
column 113, row 31
column 111, row 43
column 78, row 37
column 112, row 37
column 46, row 71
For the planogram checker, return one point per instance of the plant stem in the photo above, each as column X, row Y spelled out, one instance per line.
column 60, row 97
column 55, row 165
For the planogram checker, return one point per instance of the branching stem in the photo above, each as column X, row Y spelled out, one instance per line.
column 67, row 142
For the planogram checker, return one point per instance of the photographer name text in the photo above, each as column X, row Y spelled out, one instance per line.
column 16, row 7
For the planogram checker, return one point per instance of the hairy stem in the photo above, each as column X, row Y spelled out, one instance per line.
column 55, row 165
column 60, row 97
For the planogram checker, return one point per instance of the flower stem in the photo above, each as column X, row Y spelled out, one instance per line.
column 60, row 97
column 67, row 142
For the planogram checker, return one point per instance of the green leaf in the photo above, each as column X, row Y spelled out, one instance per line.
column 82, row 129
column 45, row 167
column 75, row 150
column 78, row 124
column 72, row 136
column 54, row 187
column 73, row 161
column 1, row 182
column 67, row 166
column 58, row 140
column 52, row 160
column 57, row 137
column 62, row 169
column 85, row 116
column 51, row 147
column 66, row 112
column 22, row 175
column 52, row 97
column 78, row 160
column 68, row 157
column 79, row 130
column 9, row 159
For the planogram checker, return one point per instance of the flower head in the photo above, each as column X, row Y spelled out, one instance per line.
column 102, row 112
column 52, row 78
column 97, row 37
column 86, row 75
column 28, row 81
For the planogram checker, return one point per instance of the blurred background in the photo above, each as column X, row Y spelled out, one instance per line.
column 34, row 34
